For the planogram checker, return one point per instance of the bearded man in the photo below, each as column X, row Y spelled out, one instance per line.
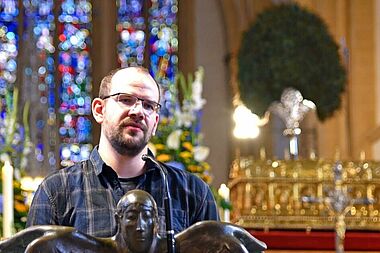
column 85, row 195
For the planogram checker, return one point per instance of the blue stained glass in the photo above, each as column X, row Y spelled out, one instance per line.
column 78, row 11
column 8, row 46
column 163, row 40
column 75, row 89
column 8, row 66
column 163, row 47
column 38, row 83
column 131, row 26
column 9, row 10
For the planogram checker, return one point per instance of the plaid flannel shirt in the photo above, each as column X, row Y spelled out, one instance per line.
column 85, row 196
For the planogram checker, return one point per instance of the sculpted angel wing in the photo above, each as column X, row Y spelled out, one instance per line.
column 68, row 241
column 19, row 242
column 217, row 237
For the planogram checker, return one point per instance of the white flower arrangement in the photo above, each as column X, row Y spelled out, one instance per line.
column 178, row 139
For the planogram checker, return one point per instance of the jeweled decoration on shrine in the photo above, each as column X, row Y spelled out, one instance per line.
column 270, row 193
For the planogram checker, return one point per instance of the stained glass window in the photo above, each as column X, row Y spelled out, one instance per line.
column 163, row 41
column 8, row 62
column 8, row 46
column 163, row 47
column 56, row 71
column 162, row 37
column 74, row 67
column 131, row 26
column 39, row 82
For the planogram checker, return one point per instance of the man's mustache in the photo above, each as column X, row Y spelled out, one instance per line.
column 131, row 122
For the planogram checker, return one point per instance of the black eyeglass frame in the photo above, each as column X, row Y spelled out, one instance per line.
column 156, row 106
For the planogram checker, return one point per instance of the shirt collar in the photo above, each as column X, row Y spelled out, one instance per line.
column 97, row 161
column 150, row 166
column 99, row 164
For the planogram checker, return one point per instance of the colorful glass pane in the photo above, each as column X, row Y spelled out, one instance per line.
column 163, row 48
column 74, row 67
column 163, row 39
column 38, row 82
column 8, row 45
column 8, row 62
column 131, row 26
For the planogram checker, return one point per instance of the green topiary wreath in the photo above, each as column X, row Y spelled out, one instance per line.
column 289, row 46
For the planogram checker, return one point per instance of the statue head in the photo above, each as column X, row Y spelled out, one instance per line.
column 137, row 219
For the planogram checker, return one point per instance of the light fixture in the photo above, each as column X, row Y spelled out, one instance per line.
column 247, row 123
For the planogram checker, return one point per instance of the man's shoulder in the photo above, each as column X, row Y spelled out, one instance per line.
column 75, row 170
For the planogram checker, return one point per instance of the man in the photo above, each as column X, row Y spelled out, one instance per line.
column 85, row 195
column 137, row 218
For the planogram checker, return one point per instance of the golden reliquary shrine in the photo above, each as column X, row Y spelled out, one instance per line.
column 270, row 194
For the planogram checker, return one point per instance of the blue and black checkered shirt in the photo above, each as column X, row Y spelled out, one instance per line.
column 85, row 196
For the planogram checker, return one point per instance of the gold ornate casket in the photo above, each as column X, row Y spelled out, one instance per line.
column 267, row 194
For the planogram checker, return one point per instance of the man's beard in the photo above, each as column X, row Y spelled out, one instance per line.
column 127, row 145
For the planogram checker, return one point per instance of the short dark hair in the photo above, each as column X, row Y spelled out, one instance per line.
column 105, row 84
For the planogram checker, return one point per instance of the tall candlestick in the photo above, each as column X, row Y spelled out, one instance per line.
column 7, row 175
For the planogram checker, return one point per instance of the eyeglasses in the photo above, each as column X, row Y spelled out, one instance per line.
column 128, row 101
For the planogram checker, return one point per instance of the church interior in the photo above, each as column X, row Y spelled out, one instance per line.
column 303, row 176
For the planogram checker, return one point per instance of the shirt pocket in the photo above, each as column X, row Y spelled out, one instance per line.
column 179, row 221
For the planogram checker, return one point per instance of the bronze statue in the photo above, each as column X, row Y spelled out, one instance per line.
column 19, row 242
column 213, row 236
column 137, row 218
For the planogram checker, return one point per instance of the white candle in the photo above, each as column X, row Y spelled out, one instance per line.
column 224, row 192
column 293, row 146
column 7, row 175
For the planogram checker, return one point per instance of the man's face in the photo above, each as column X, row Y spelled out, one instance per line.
column 129, row 129
column 138, row 227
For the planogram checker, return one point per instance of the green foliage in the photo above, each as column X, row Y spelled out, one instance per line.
column 220, row 201
column 288, row 46
column 14, row 147
column 178, row 140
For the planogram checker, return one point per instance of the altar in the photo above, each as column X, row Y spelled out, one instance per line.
column 268, row 198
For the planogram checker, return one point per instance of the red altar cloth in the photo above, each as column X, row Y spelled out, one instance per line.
column 318, row 240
